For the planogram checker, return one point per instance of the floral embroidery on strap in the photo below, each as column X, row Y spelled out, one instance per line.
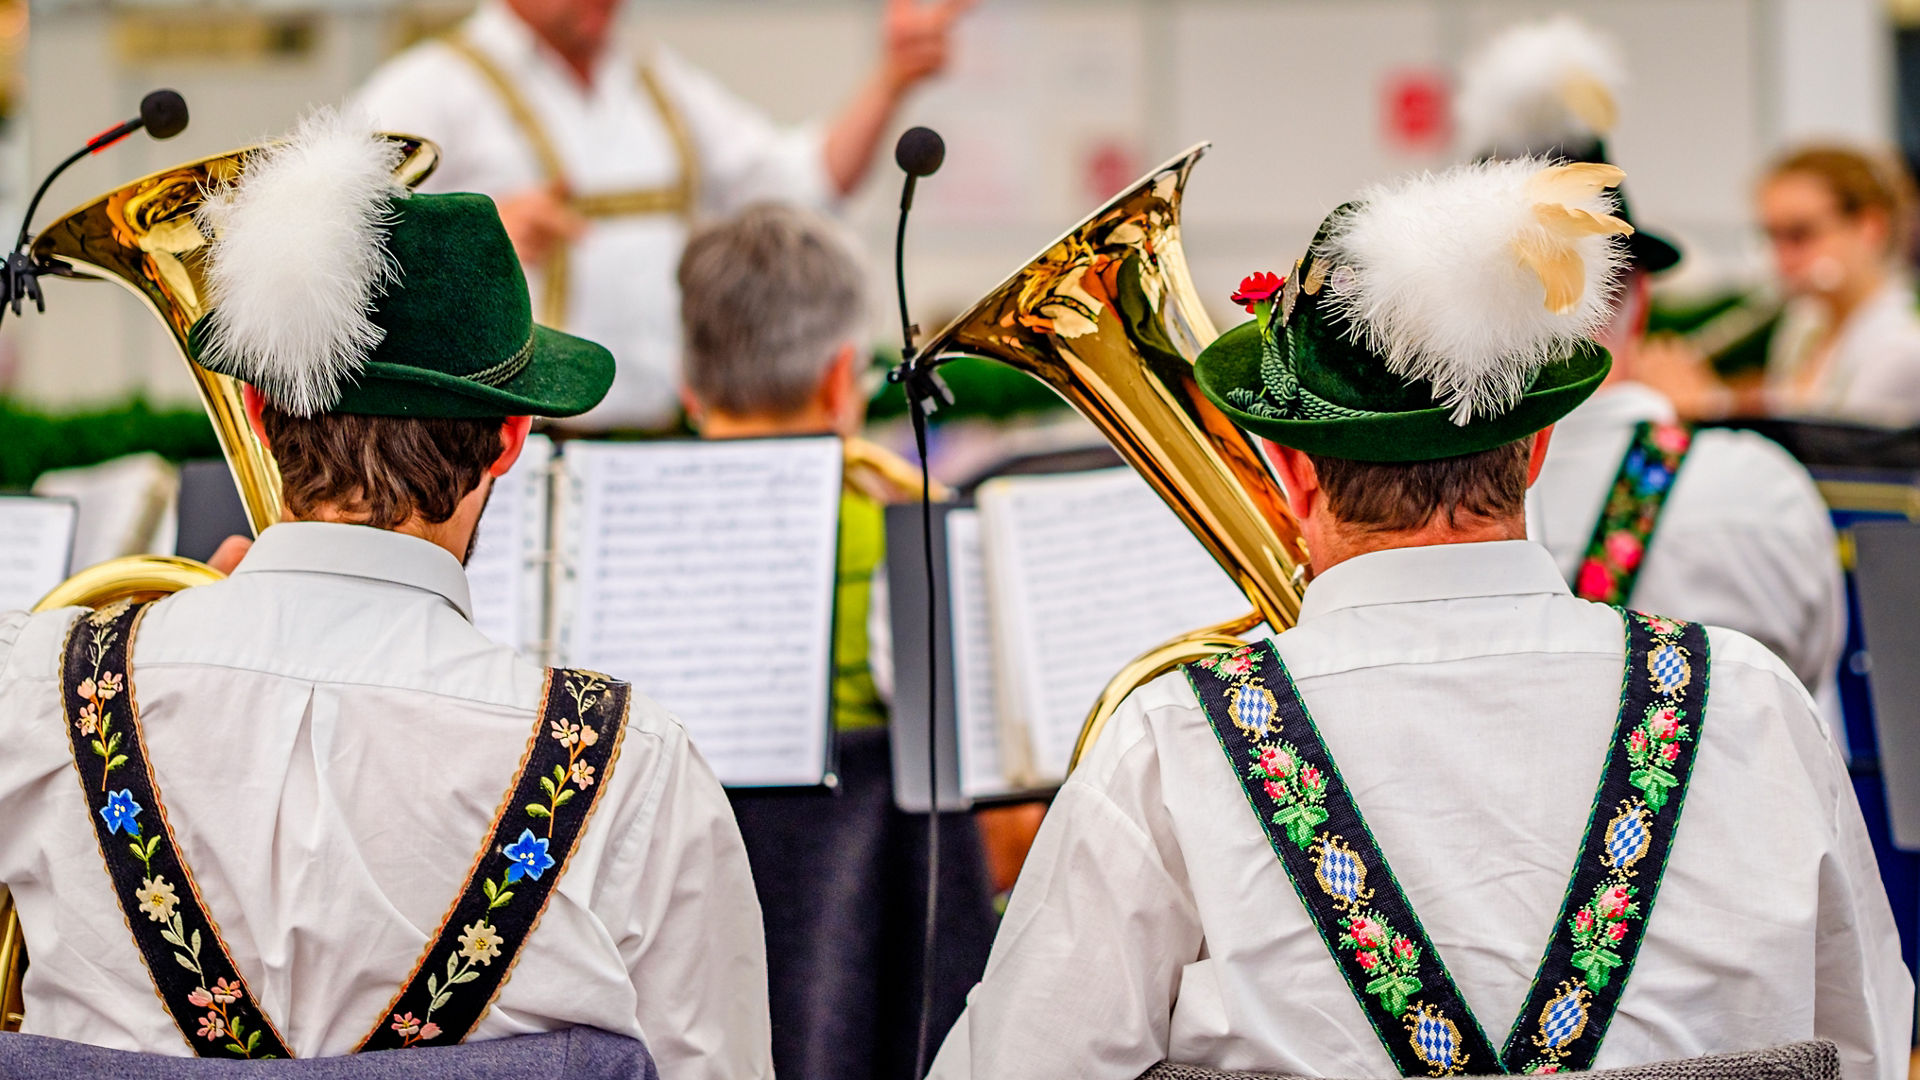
column 192, row 970
column 575, row 742
column 1631, row 512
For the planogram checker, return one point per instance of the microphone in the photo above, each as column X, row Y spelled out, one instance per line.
column 164, row 114
column 920, row 152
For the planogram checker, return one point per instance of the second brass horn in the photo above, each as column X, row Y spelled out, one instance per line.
column 1108, row 317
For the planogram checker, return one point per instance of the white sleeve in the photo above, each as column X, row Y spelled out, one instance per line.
column 430, row 92
column 1746, row 543
column 695, row 946
column 1863, row 995
column 1087, row 963
column 744, row 156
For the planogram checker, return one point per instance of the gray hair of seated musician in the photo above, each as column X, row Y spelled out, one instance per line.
column 768, row 297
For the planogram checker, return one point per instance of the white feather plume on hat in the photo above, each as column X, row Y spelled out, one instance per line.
column 1475, row 278
column 298, row 259
column 1537, row 86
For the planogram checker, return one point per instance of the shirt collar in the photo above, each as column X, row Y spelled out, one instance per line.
column 359, row 551
column 1434, row 572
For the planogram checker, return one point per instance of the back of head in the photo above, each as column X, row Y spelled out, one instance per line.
column 767, row 298
column 382, row 471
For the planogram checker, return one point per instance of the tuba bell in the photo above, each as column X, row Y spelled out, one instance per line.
column 143, row 236
column 1107, row 317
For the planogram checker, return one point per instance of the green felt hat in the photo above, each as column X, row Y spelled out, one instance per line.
column 377, row 302
column 1413, row 330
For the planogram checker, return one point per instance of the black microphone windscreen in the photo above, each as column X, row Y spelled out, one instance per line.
column 164, row 112
column 920, row 151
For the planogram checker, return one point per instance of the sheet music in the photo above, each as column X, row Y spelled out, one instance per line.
column 36, row 547
column 704, row 573
column 982, row 772
column 507, row 570
column 1086, row 571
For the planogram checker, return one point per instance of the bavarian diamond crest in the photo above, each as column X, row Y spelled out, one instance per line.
column 1253, row 708
column 1436, row 1040
column 1627, row 835
column 1564, row 1018
column 1668, row 668
column 1340, row 872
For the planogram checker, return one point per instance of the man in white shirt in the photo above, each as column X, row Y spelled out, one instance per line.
column 1346, row 851
column 600, row 160
column 324, row 738
column 1737, row 535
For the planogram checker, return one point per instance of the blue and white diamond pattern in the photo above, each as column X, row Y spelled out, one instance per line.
column 1669, row 669
column 1565, row 1017
column 1340, row 872
column 1253, row 708
column 1627, row 837
column 1435, row 1039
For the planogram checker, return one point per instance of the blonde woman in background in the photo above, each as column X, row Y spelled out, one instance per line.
column 1838, row 222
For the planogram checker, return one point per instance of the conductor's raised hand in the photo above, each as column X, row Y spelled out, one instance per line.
column 539, row 222
column 919, row 38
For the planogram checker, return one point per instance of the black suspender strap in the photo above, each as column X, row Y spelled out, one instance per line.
column 191, row 967
column 1631, row 513
column 1351, row 894
column 569, row 757
column 576, row 740
column 1378, row 942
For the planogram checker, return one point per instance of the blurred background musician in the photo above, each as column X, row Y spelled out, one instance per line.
column 331, row 734
column 1721, row 527
column 600, row 159
column 775, row 319
column 1839, row 225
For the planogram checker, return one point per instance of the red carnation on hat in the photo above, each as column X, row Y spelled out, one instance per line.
column 1258, row 288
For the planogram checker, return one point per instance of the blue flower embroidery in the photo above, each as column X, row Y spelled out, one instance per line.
column 120, row 812
column 529, row 855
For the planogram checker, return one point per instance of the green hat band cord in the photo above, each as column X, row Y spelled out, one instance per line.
column 508, row 369
column 1281, row 397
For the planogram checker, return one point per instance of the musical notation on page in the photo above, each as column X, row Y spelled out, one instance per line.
column 983, row 772
column 36, row 547
column 704, row 573
column 1086, row 571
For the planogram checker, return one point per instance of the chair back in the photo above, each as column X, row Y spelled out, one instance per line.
column 577, row 1054
column 1817, row 1059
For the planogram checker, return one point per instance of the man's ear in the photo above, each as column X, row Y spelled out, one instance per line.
column 255, row 403
column 513, row 439
column 691, row 403
column 838, row 389
column 1537, row 453
column 1297, row 478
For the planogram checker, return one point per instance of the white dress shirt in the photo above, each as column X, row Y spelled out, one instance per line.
column 331, row 737
column 1873, row 373
column 610, row 137
column 1744, row 540
column 1469, row 701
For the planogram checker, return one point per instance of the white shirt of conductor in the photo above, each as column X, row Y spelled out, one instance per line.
column 1469, row 702
column 599, row 159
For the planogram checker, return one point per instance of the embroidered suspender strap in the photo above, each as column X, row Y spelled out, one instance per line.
column 1603, row 919
column 192, row 970
column 1336, row 867
column 575, row 743
column 1632, row 511
column 679, row 198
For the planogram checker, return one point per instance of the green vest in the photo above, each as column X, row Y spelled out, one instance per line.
column 863, row 544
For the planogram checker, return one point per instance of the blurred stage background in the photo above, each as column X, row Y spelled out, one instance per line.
column 1052, row 106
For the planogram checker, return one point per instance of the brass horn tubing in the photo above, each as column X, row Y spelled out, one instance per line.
column 1154, row 663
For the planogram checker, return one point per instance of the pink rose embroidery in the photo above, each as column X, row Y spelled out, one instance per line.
column 1367, row 961
column 1670, row 752
column 1583, row 920
column 1624, row 549
column 1616, row 931
column 1613, row 902
column 1637, row 741
column 1403, row 948
column 1594, row 579
column 1276, row 792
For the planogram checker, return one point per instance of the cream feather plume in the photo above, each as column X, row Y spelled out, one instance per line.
column 298, row 259
column 1538, row 86
column 1475, row 278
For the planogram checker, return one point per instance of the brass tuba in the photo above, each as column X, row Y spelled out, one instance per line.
column 143, row 236
column 1107, row 316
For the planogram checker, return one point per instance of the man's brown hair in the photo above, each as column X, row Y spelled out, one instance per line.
column 1401, row 496
column 379, row 470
